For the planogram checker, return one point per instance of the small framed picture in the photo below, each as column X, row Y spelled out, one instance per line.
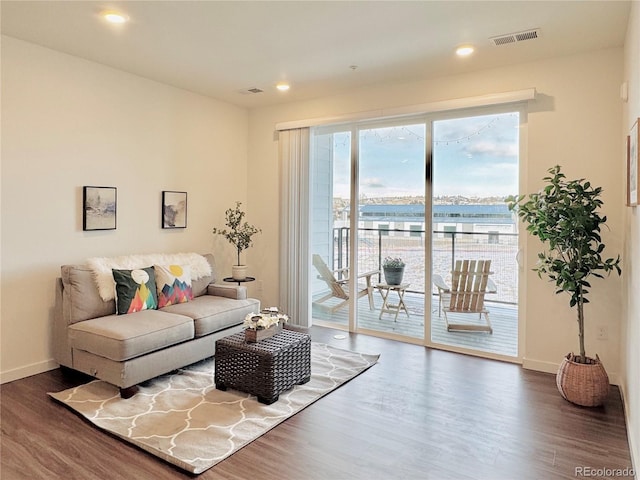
column 174, row 209
column 632, row 165
column 99, row 208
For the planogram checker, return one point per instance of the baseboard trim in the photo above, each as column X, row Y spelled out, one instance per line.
column 540, row 366
column 551, row 367
column 27, row 371
column 630, row 433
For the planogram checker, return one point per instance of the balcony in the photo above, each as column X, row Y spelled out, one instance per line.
column 375, row 244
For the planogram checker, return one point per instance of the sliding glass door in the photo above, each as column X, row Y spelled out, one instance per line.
column 368, row 205
column 475, row 167
column 424, row 191
column 330, row 231
column 391, row 226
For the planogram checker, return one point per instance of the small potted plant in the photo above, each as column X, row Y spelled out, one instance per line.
column 564, row 216
column 393, row 268
column 259, row 326
column 240, row 235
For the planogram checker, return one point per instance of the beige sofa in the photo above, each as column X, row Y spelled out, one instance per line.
column 125, row 350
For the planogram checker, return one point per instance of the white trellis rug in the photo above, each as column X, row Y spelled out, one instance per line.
column 183, row 419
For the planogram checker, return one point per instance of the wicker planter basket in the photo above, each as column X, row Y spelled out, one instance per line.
column 585, row 384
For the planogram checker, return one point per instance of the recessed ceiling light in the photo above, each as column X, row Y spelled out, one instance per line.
column 283, row 87
column 464, row 50
column 112, row 16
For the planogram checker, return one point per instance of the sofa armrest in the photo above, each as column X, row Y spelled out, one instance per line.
column 236, row 292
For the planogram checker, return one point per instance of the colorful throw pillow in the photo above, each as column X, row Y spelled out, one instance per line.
column 174, row 284
column 135, row 290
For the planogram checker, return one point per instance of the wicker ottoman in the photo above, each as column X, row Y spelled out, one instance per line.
column 266, row 368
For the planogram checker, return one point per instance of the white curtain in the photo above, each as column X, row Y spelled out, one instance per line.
column 294, row 225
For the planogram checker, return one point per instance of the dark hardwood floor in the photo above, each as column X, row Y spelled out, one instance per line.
column 417, row 414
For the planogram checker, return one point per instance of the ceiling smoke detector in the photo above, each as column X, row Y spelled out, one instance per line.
column 249, row 91
column 516, row 37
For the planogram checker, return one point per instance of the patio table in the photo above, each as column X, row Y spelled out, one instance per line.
column 395, row 308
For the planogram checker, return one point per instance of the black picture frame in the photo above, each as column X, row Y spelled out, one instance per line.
column 99, row 208
column 174, row 209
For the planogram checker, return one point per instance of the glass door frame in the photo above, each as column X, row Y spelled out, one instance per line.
column 429, row 118
column 356, row 128
column 521, row 109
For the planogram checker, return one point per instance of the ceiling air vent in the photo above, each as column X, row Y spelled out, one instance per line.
column 248, row 91
column 516, row 37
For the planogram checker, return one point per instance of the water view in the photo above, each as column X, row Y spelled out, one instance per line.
column 474, row 167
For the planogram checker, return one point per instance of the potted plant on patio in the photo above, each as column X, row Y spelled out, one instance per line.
column 564, row 216
column 393, row 268
column 240, row 235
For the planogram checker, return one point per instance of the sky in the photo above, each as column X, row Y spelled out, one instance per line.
column 472, row 156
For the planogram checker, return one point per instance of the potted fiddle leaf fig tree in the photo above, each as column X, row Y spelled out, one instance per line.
column 240, row 235
column 565, row 216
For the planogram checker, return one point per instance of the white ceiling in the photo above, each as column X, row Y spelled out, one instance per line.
column 219, row 48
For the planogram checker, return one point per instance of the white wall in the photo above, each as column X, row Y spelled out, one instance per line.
column 67, row 122
column 576, row 122
column 630, row 332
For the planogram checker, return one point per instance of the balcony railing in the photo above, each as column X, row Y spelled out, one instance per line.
column 375, row 244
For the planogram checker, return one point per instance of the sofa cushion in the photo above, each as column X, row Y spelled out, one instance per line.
column 173, row 283
column 211, row 313
column 121, row 337
column 199, row 286
column 80, row 295
column 135, row 290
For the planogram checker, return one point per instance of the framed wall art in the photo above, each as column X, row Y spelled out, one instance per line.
column 174, row 209
column 99, row 208
column 632, row 165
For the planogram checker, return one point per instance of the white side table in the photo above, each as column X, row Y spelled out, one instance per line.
column 387, row 307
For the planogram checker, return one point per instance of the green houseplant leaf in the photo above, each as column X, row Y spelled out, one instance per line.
column 565, row 216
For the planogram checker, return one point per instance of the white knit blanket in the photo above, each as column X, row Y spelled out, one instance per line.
column 103, row 275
